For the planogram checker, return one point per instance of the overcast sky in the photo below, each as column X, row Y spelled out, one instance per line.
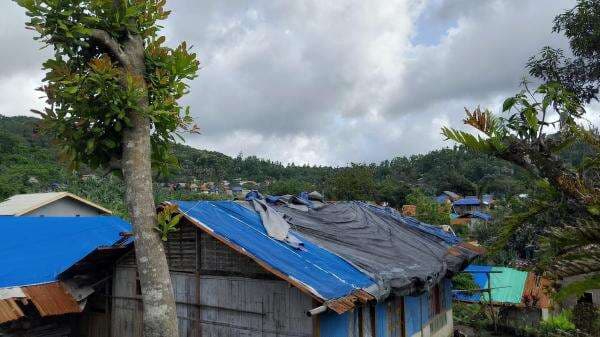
column 328, row 82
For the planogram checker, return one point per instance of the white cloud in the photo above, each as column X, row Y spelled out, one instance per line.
column 330, row 82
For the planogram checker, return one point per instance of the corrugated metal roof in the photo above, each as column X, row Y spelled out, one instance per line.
column 51, row 299
column 36, row 250
column 507, row 284
column 9, row 311
column 21, row 204
column 536, row 290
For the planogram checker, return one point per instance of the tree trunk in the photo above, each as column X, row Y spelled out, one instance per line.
column 160, row 316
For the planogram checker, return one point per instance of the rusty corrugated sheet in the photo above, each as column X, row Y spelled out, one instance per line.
column 51, row 299
column 535, row 291
column 9, row 311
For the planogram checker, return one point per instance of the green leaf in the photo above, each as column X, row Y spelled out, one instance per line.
column 508, row 104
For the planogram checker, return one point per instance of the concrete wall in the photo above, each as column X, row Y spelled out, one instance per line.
column 65, row 207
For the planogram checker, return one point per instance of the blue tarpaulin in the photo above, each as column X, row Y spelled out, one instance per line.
column 36, row 250
column 467, row 201
column 481, row 215
column 321, row 272
column 480, row 275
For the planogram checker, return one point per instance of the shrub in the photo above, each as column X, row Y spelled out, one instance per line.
column 558, row 323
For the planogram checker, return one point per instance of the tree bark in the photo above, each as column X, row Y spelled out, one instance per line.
column 160, row 318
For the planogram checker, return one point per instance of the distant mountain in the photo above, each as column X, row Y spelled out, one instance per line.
column 25, row 153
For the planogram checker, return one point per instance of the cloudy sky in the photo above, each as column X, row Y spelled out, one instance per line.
column 328, row 82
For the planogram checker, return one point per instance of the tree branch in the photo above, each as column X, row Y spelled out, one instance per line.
column 109, row 43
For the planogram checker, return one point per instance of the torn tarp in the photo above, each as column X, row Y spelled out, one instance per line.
column 275, row 225
column 400, row 255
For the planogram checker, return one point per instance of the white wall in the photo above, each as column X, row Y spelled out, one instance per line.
column 65, row 207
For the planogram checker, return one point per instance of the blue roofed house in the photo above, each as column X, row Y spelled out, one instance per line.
column 54, row 273
column 467, row 204
column 239, row 270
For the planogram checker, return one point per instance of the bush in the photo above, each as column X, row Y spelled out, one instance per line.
column 557, row 324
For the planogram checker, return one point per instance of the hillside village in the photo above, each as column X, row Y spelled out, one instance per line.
column 397, row 182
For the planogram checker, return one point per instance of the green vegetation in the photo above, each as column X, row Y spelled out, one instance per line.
column 27, row 154
column 558, row 323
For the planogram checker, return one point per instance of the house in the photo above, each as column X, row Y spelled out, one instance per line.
column 471, row 219
column 487, row 200
column 447, row 197
column 239, row 270
column 55, row 274
column 50, row 204
column 520, row 297
column 466, row 204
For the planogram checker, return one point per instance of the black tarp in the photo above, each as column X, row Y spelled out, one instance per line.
column 402, row 256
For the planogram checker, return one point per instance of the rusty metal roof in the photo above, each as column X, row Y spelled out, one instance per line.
column 536, row 290
column 9, row 311
column 51, row 299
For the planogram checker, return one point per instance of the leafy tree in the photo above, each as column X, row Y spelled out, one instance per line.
column 112, row 90
column 393, row 192
column 289, row 186
column 581, row 73
column 428, row 210
column 572, row 198
column 356, row 182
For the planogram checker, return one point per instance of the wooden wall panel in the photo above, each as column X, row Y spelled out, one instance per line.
column 215, row 306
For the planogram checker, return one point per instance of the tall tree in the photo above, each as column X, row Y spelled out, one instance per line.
column 580, row 73
column 112, row 89
column 571, row 241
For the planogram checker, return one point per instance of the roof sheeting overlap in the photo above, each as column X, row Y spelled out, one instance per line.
column 37, row 250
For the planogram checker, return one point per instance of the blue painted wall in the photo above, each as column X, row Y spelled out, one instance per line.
column 334, row 325
column 412, row 314
column 416, row 311
column 447, row 291
column 381, row 320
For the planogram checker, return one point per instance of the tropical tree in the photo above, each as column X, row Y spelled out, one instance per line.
column 112, row 90
column 428, row 210
column 536, row 126
column 580, row 73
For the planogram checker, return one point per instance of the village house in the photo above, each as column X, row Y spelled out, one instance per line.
column 232, row 278
column 233, row 275
column 50, row 204
column 520, row 298
column 467, row 204
column 55, row 274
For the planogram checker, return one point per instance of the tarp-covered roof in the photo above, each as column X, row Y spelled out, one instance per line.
column 507, row 284
column 467, row 201
column 347, row 247
column 477, row 214
column 37, row 250
column 316, row 269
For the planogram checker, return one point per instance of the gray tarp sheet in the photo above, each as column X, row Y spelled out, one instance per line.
column 400, row 257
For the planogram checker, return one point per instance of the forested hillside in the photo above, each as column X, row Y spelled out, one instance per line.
column 26, row 154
